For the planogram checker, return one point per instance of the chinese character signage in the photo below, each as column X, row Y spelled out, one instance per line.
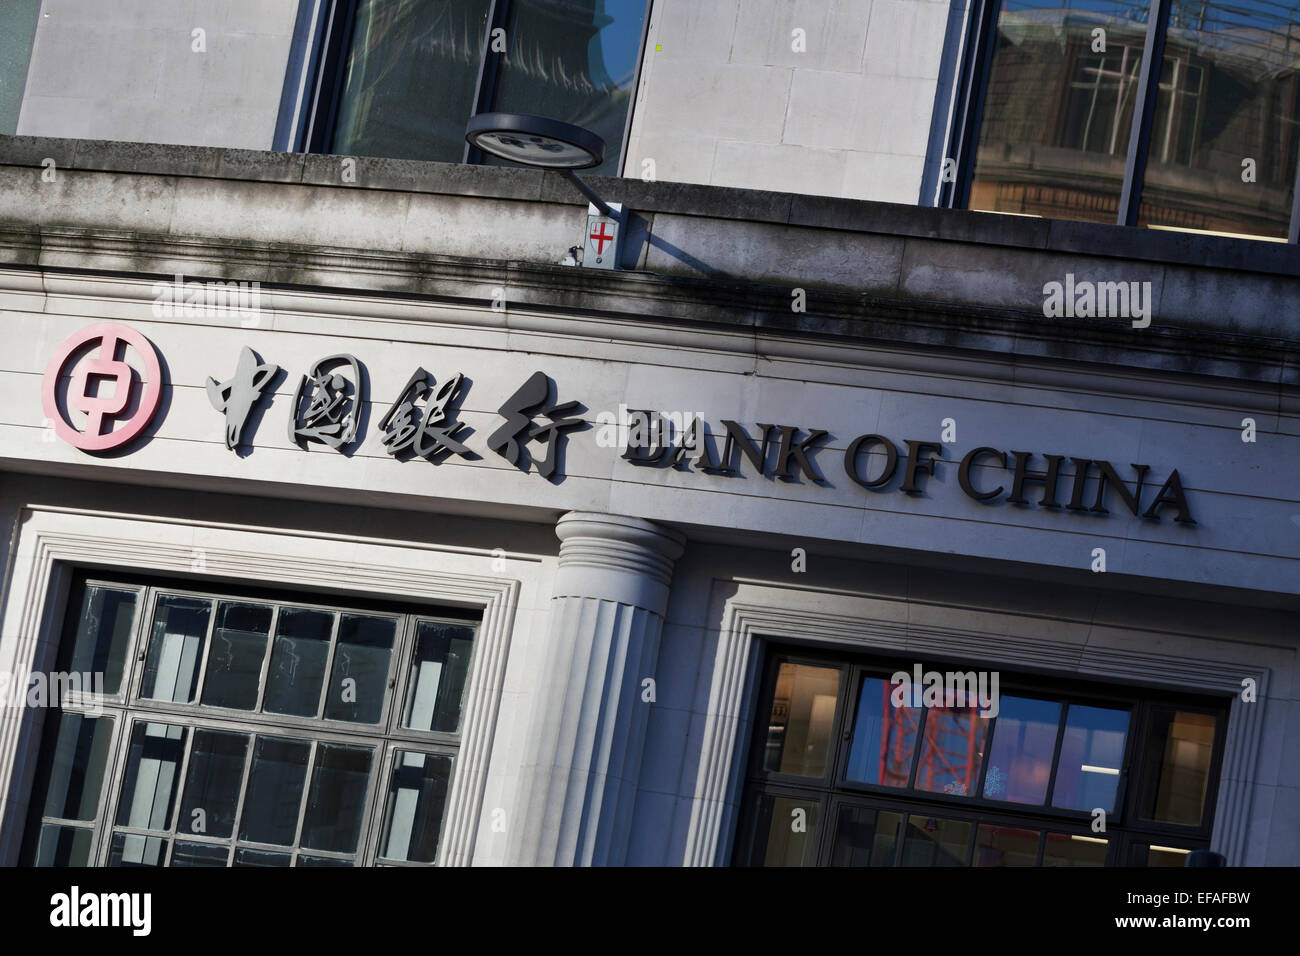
column 96, row 401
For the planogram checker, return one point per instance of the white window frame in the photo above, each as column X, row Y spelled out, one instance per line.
column 52, row 544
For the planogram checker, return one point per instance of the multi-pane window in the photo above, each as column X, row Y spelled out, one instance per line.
column 404, row 76
column 848, row 768
column 1177, row 114
column 248, row 731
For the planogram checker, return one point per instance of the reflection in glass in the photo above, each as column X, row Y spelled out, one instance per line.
column 63, row 846
column 408, row 89
column 1005, row 846
column 275, row 785
column 1183, row 743
column 1069, row 849
column 246, row 857
column 1020, row 761
column 337, row 799
column 153, row 765
column 934, row 841
column 359, row 676
column 413, row 808
column 1057, row 114
column 573, row 60
column 786, row 829
column 1166, row 856
column 103, row 632
column 1229, row 91
column 304, row 860
column 1092, row 753
column 866, row 837
column 131, row 849
column 235, row 655
column 436, row 682
column 186, row 853
column 951, row 750
column 76, row 763
column 212, row 783
column 802, row 720
column 884, row 736
column 302, row 646
column 180, row 626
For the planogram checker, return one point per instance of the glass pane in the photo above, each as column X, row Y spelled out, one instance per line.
column 413, row 810
column 1092, row 752
column 302, row 644
column 866, row 837
column 934, row 841
column 131, row 849
column 359, row 677
column 322, row 861
column 437, row 677
column 408, row 90
column 1068, row 849
column 573, row 60
column 802, row 721
column 261, row 858
column 1229, row 92
column 18, row 19
column 884, row 736
column 199, row 854
column 1183, row 743
column 212, row 783
column 64, row 846
column 103, row 633
column 153, row 766
column 77, row 752
column 1020, row 761
column 951, row 750
column 1166, row 856
column 1005, row 846
column 338, row 798
column 171, row 671
column 274, row 796
column 1057, row 114
column 787, row 829
column 235, row 656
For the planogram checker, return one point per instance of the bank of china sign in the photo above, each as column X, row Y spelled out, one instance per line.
column 89, row 374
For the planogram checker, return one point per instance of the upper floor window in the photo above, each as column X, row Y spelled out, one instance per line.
column 401, row 78
column 1171, row 114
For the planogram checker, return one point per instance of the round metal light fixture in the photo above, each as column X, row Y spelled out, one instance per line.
column 535, row 141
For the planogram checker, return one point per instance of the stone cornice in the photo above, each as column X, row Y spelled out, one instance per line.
column 666, row 308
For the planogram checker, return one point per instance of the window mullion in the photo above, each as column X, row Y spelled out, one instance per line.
column 329, row 666
column 267, row 651
column 243, row 792
column 306, row 795
column 1144, row 106
column 489, row 66
column 983, row 41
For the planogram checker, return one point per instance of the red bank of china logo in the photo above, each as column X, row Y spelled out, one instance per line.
column 102, row 386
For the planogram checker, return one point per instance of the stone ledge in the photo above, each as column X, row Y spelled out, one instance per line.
column 686, row 199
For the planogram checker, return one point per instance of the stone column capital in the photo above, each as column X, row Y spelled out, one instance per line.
column 616, row 558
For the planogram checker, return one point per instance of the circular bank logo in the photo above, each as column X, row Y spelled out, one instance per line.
column 92, row 397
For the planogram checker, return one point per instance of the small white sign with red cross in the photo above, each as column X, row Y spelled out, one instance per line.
column 601, row 248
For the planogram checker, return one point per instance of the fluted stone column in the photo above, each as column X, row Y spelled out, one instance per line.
column 584, row 741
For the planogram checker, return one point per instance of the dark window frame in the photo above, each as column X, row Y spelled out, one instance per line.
column 1126, row 828
column 972, row 86
column 335, row 41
